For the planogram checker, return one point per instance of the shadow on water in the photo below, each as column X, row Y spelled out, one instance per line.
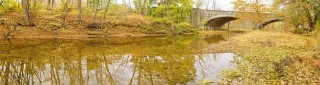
column 147, row 60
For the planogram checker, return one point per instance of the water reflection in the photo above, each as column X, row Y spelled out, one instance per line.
column 111, row 61
column 213, row 38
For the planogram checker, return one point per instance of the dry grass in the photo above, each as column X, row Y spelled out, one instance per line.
column 273, row 58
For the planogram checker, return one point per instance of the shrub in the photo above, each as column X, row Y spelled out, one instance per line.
column 184, row 27
column 158, row 26
column 10, row 5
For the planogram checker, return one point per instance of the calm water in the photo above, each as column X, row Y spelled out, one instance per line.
column 108, row 61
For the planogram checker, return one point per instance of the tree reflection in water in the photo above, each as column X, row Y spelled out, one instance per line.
column 111, row 61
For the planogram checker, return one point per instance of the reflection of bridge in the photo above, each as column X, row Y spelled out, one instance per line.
column 215, row 19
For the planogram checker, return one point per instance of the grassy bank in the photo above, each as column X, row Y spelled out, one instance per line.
column 273, row 58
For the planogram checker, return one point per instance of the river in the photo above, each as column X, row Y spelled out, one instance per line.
column 113, row 61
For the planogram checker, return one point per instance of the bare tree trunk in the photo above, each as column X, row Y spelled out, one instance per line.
column 52, row 3
column 139, row 6
column 27, row 19
column 105, row 13
column 258, row 11
column 88, row 3
column 79, row 11
column 168, row 16
column 127, row 4
column 168, row 9
column 144, row 7
column 214, row 2
column 96, row 12
column 48, row 5
column 65, row 10
column 130, row 5
column 207, row 6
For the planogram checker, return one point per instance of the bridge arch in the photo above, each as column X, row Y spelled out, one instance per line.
column 263, row 24
column 219, row 21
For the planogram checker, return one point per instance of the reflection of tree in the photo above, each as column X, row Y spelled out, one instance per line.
column 169, row 69
column 150, row 60
column 200, row 59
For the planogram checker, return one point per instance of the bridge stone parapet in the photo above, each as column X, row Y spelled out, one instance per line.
column 201, row 18
column 200, row 15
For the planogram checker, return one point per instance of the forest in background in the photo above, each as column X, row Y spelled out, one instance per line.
column 290, row 56
column 95, row 17
column 142, row 17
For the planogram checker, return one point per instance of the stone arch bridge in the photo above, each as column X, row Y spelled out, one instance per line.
column 216, row 19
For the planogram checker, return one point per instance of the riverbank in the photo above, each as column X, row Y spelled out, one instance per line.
column 219, row 32
column 273, row 58
column 67, row 34
column 119, row 24
column 34, row 32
